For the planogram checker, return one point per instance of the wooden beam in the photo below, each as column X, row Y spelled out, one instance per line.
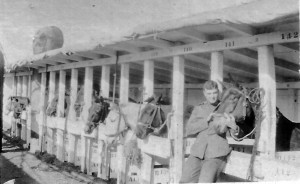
column 268, row 83
column 124, row 47
column 104, row 51
column 176, row 162
column 193, row 33
column 48, row 62
column 242, row 29
column 18, row 74
column 210, row 46
column 158, row 43
column 278, row 62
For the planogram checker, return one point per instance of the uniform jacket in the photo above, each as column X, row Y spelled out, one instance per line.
column 211, row 140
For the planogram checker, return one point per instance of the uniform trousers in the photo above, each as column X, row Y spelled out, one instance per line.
column 198, row 170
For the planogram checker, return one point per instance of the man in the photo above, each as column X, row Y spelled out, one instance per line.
column 209, row 152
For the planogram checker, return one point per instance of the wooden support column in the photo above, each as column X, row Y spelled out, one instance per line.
column 267, row 81
column 61, row 113
column 148, row 79
column 19, row 93
column 124, row 91
column 29, row 114
column 88, row 89
column 24, row 116
column 176, row 163
column 124, row 83
column 50, row 131
column 12, row 119
column 148, row 162
column 72, row 115
column 105, row 76
column 104, row 157
column 217, row 60
column 42, row 118
column 19, row 86
column 15, row 84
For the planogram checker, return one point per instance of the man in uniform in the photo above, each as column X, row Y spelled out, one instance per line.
column 209, row 152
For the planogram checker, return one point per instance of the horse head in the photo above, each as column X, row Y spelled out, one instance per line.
column 97, row 114
column 235, row 102
column 152, row 118
column 16, row 104
column 51, row 109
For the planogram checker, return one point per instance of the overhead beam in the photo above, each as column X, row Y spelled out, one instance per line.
column 278, row 62
column 210, row 46
column 18, row 74
column 104, row 51
column 192, row 33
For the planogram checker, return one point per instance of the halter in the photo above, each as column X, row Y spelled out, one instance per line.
column 149, row 121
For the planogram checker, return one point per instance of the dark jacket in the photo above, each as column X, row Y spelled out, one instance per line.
column 211, row 139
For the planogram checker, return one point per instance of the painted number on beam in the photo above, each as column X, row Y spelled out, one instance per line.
column 187, row 49
column 229, row 44
column 290, row 35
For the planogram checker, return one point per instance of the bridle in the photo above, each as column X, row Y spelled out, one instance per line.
column 149, row 121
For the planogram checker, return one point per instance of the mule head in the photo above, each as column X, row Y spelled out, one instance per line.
column 97, row 114
column 151, row 117
column 17, row 104
column 234, row 102
column 51, row 109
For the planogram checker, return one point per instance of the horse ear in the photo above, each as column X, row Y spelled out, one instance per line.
column 150, row 99
column 159, row 99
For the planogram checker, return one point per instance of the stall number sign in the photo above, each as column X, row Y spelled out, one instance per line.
column 161, row 176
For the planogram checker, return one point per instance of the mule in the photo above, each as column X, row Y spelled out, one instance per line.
column 17, row 105
column 51, row 109
column 151, row 116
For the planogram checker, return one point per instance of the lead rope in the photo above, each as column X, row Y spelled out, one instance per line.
column 257, row 93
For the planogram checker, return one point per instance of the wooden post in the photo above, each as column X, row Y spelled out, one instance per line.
column 176, row 163
column 60, row 113
column 19, row 93
column 124, row 84
column 28, row 109
column 103, row 165
column 105, row 81
column 216, row 67
column 19, row 86
column 42, row 119
column 72, row 115
column 124, row 90
column 50, row 133
column 88, row 89
column 148, row 79
column 12, row 119
column 267, row 81
column 24, row 121
column 148, row 162
column 15, row 84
